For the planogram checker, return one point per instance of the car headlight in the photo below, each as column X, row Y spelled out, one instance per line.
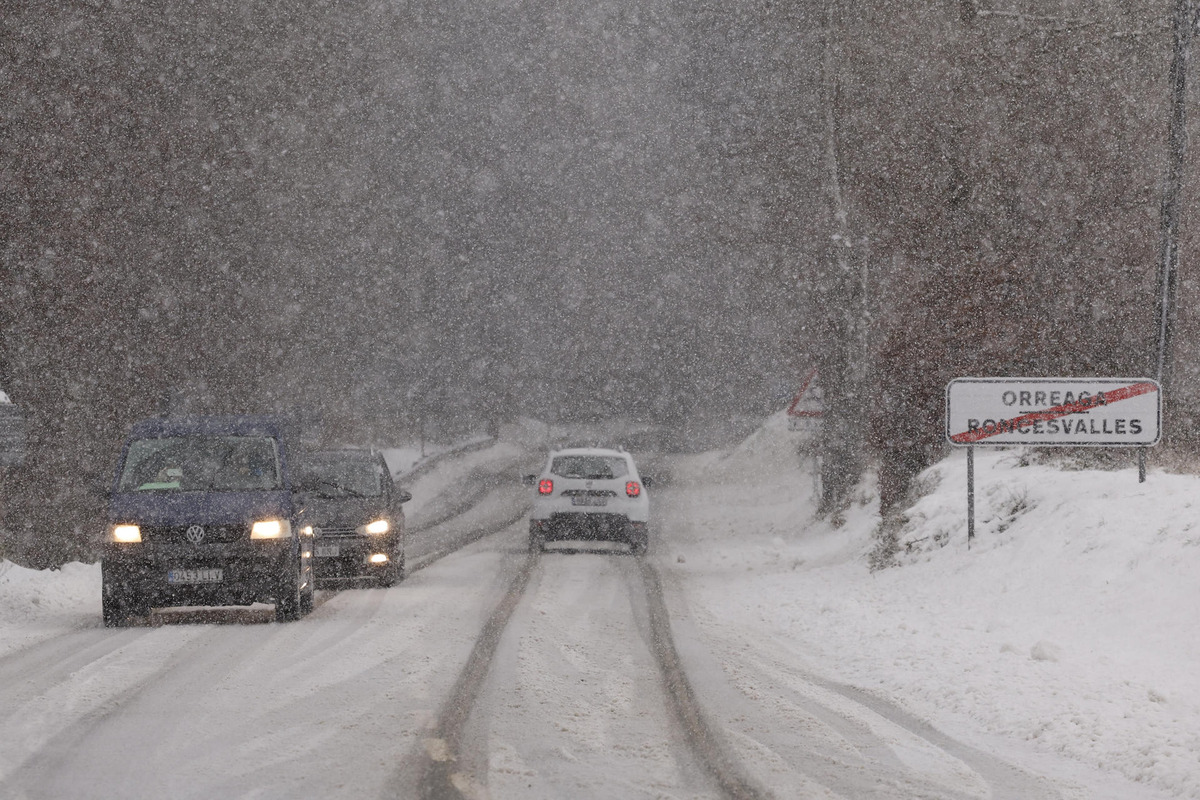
column 377, row 527
column 125, row 533
column 271, row 529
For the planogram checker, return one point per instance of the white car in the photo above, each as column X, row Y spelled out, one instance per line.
column 590, row 494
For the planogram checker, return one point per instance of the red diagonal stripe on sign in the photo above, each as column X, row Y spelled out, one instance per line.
column 1066, row 409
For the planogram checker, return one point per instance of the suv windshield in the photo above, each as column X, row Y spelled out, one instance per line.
column 201, row 463
column 341, row 477
column 590, row 467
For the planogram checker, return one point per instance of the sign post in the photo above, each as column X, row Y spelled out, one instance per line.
column 1051, row 412
column 970, row 495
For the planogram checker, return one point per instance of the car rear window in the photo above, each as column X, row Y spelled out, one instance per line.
column 590, row 467
column 201, row 463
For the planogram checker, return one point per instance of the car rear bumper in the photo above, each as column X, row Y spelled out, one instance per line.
column 551, row 508
column 589, row 527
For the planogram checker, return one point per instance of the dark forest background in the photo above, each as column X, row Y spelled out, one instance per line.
column 430, row 218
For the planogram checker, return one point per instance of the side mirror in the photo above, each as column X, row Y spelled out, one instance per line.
column 403, row 496
column 529, row 480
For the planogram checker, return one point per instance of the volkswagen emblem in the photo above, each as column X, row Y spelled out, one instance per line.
column 195, row 534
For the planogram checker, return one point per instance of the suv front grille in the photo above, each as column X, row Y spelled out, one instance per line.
column 340, row 531
column 178, row 534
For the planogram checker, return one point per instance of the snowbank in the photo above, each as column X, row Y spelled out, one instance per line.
column 39, row 604
column 1067, row 629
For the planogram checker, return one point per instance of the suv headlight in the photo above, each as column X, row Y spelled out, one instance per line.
column 124, row 533
column 376, row 528
column 271, row 529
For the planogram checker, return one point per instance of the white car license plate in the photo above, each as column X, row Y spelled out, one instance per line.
column 195, row 575
column 327, row 550
column 585, row 500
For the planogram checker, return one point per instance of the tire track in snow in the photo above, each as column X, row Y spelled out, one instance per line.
column 442, row 758
column 61, row 708
column 812, row 736
column 196, row 722
column 706, row 743
column 459, row 542
column 439, row 774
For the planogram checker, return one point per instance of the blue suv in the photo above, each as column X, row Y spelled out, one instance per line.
column 202, row 513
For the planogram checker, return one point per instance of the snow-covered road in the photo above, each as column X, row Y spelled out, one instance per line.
column 809, row 676
column 575, row 704
column 336, row 706
column 328, row 707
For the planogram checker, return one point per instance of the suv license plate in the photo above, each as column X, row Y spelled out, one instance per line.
column 195, row 576
column 327, row 550
column 589, row 501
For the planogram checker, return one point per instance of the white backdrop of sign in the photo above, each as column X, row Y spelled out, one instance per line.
column 1099, row 412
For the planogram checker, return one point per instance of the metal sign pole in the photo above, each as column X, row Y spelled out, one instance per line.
column 970, row 495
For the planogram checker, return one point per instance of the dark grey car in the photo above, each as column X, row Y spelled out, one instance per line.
column 357, row 517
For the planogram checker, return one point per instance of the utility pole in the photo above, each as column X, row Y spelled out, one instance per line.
column 1168, row 263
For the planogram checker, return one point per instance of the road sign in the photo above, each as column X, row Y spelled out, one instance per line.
column 1097, row 412
column 807, row 409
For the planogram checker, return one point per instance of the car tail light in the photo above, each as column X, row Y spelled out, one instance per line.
column 545, row 486
column 633, row 488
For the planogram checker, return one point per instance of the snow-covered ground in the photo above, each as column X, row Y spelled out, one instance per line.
column 1063, row 641
column 1066, row 635
column 40, row 604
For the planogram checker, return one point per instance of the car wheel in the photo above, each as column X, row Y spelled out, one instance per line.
column 639, row 544
column 390, row 575
column 288, row 606
column 306, row 599
column 116, row 608
column 537, row 537
column 537, row 542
